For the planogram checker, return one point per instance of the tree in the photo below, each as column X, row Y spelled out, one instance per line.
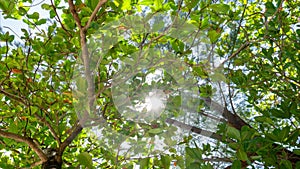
column 68, row 75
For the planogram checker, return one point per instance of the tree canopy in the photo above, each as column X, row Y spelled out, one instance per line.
column 150, row 84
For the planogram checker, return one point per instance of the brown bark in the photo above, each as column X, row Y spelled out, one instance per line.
column 54, row 162
column 232, row 119
column 27, row 140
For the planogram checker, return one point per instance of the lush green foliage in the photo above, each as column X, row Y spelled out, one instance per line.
column 257, row 42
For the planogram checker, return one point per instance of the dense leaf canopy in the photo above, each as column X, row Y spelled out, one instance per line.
column 72, row 78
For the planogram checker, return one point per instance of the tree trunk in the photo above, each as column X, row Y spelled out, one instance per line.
column 54, row 162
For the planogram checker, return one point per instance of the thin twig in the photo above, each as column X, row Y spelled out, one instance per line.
column 235, row 53
column 33, row 5
column 58, row 18
column 12, row 31
column 272, row 17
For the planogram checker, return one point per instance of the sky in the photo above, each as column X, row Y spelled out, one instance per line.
column 15, row 26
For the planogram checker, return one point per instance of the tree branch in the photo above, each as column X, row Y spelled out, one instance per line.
column 100, row 3
column 26, row 140
column 34, row 164
column 21, row 100
column 233, row 119
column 14, row 97
column 76, row 130
column 213, row 117
column 74, row 14
column 235, row 53
column 218, row 160
column 52, row 131
column 85, row 56
column 194, row 129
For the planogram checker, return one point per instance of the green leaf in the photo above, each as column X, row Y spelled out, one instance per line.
column 233, row 133
column 22, row 11
column 234, row 145
column 200, row 71
column 272, row 136
column 236, row 164
column 157, row 26
column 177, row 45
column 52, row 14
column 46, row 6
column 3, row 4
column 194, row 165
column 241, row 154
column 206, row 91
column 220, row 8
column 297, row 165
column 94, row 3
column 270, row 9
column 293, row 137
column 144, row 163
column 158, row 4
column 286, row 164
column 207, row 166
column 246, row 133
column 194, row 153
column 11, row 38
column 145, row 2
column 284, row 133
column 57, row 2
column 35, row 15
column 126, row 5
column 296, row 151
column 85, row 159
column 213, row 36
column 41, row 21
column 166, row 161
column 13, row 128
column 280, row 114
column 264, row 119
column 205, row 23
column 255, row 157
column 155, row 131
column 191, row 3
